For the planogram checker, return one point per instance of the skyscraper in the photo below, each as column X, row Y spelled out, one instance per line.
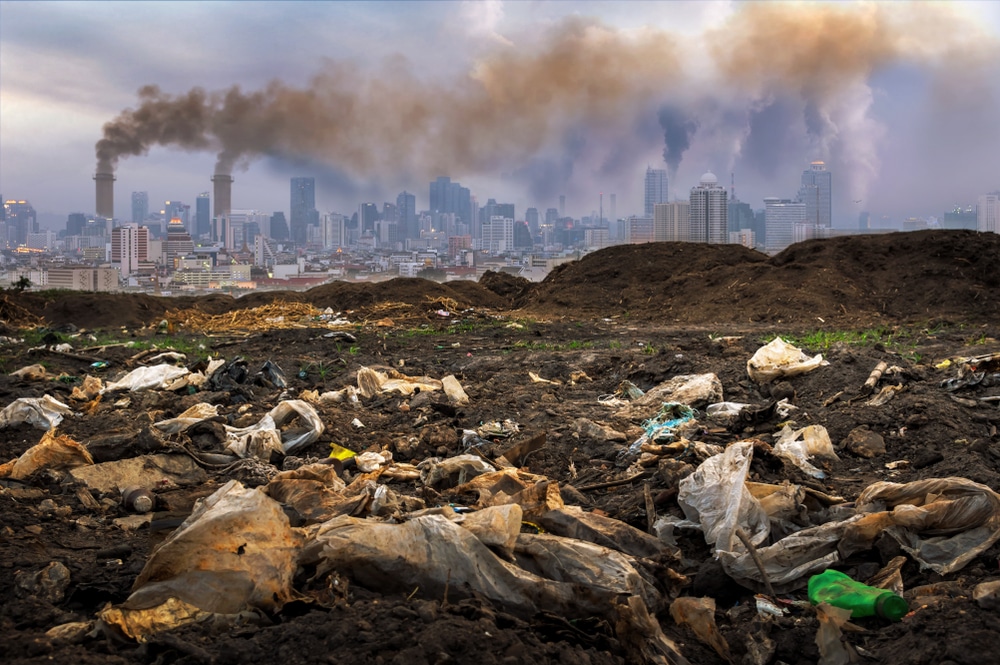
column 816, row 192
column 406, row 208
column 781, row 216
column 709, row 211
column 140, row 207
column 655, row 189
column 988, row 213
column 672, row 222
column 367, row 216
column 202, row 215
column 303, row 208
column 21, row 220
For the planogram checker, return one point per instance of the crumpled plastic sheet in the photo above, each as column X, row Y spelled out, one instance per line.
column 153, row 377
column 54, row 451
column 797, row 447
column 942, row 523
column 264, row 437
column 43, row 412
column 779, row 359
column 663, row 427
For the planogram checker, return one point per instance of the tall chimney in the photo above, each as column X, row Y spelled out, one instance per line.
column 223, row 202
column 105, row 183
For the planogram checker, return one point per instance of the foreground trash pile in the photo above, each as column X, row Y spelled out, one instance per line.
column 716, row 499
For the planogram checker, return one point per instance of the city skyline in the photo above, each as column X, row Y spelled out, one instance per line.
column 905, row 123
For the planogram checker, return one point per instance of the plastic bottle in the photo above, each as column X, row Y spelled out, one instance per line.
column 839, row 590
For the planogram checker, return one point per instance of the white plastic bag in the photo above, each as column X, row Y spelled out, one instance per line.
column 797, row 447
column 43, row 412
column 154, row 377
column 778, row 359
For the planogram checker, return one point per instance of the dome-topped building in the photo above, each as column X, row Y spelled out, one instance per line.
column 708, row 178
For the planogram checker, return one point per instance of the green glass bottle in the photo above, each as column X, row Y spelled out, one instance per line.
column 839, row 590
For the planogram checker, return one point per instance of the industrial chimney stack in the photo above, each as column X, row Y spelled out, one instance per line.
column 223, row 202
column 105, row 183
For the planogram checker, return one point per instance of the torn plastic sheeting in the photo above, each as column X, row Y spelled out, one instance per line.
column 779, row 359
column 449, row 472
column 372, row 382
column 43, row 412
column 570, row 560
column 942, row 522
column 453, row 389
column 161, row 471
column 54, row 451
column 798, row 446
column 716, row 496
column 664, row 426
column 495, row 526
column 699, row 615
column 693, row 390
column 239, row 547
column 31, row 373
column 154, row 377
column 264, row 437
column 574, row 522
column 189, row 418
column 535, row 494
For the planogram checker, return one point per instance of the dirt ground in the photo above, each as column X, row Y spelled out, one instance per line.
column 639, row 314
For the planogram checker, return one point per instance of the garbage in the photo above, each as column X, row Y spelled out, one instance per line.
column 266, row 437
column 153, row 377
column 236, row 551
column 88, row 390
column 691, row 390
column 32, row 373
column 699, row 615
column 453, row 389
column 53, row 451
column 137, row 499
column 833, row 650
column 839, row 590
column 48, row 584
column 778, row 359
column 799, row 446
column 452, row 471
column 975, row 371
column 669, row 423
column 43, row 412
column 372, row 382
column 270, row 376
column 987, row 595
column 160, row 471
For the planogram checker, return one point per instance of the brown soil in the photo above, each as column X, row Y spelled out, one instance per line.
column 637, row 313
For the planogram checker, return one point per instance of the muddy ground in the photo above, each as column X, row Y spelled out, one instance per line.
column 642, row 314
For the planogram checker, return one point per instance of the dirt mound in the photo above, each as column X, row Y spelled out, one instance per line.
column 506, row 285
column 901, row 277
column 409, row 290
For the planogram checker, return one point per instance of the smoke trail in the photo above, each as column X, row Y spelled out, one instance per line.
column 678, row 128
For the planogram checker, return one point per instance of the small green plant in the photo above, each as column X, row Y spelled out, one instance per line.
column 614, row 344
column 354, row 350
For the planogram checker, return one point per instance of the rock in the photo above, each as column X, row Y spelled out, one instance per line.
column 588, row 429
column 864, row 443
column 987, row 595
column 783, row 390
column 48, row 584
column 926, row 457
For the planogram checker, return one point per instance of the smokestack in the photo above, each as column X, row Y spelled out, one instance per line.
column 223, row 202
column 105, row 194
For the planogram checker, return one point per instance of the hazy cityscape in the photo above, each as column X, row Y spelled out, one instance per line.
column 524, row 160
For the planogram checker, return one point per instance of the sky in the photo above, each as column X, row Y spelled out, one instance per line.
column 519, row 101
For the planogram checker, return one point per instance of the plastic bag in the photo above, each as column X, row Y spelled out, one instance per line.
column 54, row 451
column 264, row 437
column 699, row 614
column 797, row 447
column 452, row 471
column 236, row 550
column 779, row 358
column 693, row 390
column 154, row 377
column 43, row 412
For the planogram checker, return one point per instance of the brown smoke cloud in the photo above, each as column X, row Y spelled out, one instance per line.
column 586, row 82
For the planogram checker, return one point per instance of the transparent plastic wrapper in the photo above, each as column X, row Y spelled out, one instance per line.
column 798, row 446
column 265, row 437
column 54, row 451
column 829, row 637
column 943, row 523
column 154, row 377
column 780, row 359
column 574, row 522
column 236, row 551
column 372, row 382
column 43, row 412
column 433, row 553
column 453, row 389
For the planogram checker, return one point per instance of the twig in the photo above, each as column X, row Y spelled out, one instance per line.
column 612, row 483
column 650, row 507
column 745, row 539
column 67, row 354
column 873, row 378
column 833, row 399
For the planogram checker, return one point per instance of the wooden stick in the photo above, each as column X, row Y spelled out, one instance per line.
column 745, row 539
column 874, row 377
column 650, row 507
column 611, row 483
column 67, row 354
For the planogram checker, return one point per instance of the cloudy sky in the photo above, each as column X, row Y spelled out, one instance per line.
column 520, row 101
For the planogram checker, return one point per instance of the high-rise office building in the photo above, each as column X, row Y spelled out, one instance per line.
column 816, row 192
column 367, row 216
column 709, row 211
column 781, row 216
column 672, row 222
column 75, row 223
column 740, row 216
column 406, row 208
column 140, row 207
column 988, row 213
column 303, row 208
column 531, row 217
column 655, row 189
column 279, row 227
column 129, row 246
column 203, row 215
column 21, row 219
column 450, row 197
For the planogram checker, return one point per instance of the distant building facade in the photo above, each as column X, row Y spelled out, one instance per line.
column 816, row 192
column 709, row 211
column 988, row 213
column 655, row 189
